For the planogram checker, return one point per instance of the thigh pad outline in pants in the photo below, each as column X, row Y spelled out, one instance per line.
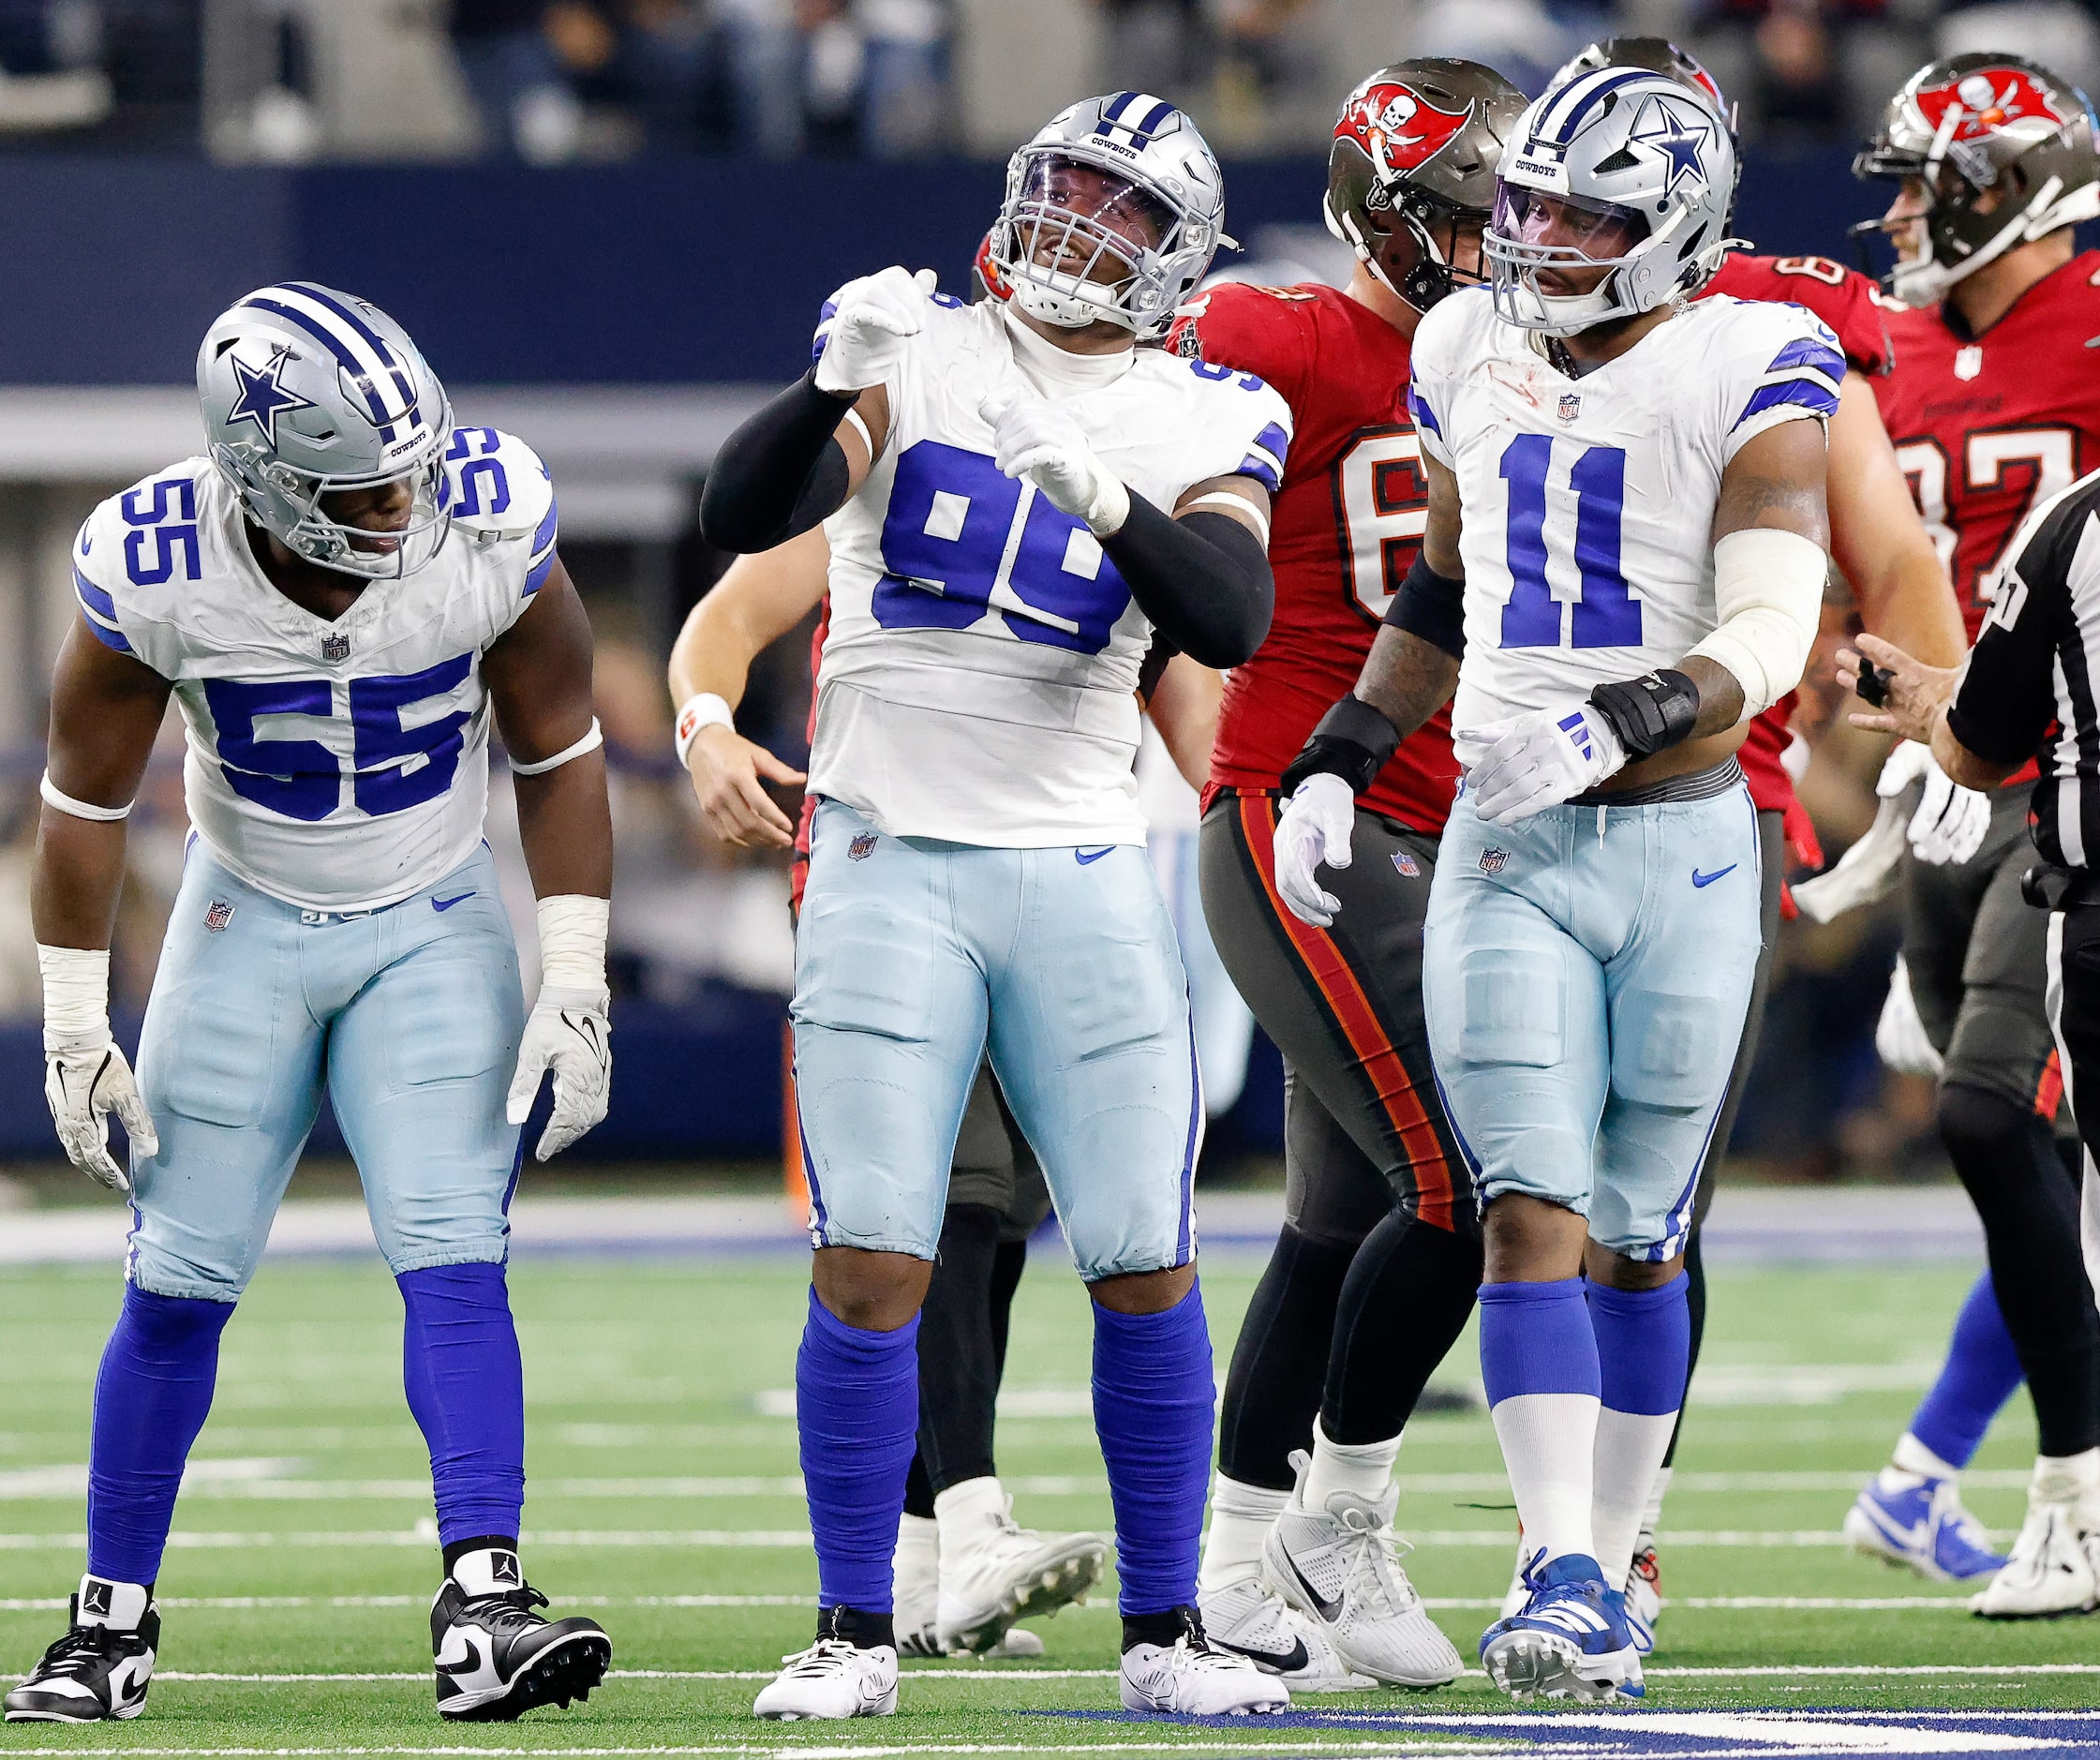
column 229, row 1065
column 420, row 1058
column 889, row 1024
column 2002, row 1042
column 1092, row 1039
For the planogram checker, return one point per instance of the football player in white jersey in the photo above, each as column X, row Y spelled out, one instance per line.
column 338, row 597
column 1020, row 500
column 1624, row 563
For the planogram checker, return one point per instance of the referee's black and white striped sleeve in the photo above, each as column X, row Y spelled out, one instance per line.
column 2012, row 691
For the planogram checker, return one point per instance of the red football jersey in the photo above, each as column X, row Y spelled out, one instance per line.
column 1846, row 301
column 1986, row 427
column 1347, row 522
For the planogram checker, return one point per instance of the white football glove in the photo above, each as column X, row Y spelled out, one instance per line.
column 1951, row 821
column 571, row 1032
column 86, row 1076
column 876, row 315
column 1541, row 760
column 1316, row 827
column 1033, row 438
column 1899, row 1034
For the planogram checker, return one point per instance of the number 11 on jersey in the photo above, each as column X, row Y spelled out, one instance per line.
column 1604, row 613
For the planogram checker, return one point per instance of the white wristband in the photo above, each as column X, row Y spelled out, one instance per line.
column 79, row 808
column 589, row 742
column 573, row 931
column 701, row 710
column 1111, row 507
column 76, row 996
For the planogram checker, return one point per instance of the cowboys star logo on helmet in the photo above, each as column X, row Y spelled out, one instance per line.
column 262, row 398
column 1681, row 137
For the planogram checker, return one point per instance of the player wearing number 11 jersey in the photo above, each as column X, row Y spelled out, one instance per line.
column 340, row 599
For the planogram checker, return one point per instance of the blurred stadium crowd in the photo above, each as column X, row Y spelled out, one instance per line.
column 551, row 82
column 557, row 80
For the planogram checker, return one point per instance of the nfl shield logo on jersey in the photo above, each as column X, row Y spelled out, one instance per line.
column 334, row 646
column 861, row 847
column 1571, row 405
column 1494, row 860
column 1968, row 361
column 218, row 914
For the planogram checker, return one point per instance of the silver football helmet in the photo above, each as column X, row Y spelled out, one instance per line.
column 1112, row 211
column 306, row 390
column 1617, row 169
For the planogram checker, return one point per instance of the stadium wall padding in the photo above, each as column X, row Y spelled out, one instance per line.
column 657, row 272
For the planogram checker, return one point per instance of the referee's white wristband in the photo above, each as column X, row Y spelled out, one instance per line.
column 702, row 710
column 79, row 808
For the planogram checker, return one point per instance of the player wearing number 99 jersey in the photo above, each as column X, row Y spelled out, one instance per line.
column 1018, row 501
column 338, row 598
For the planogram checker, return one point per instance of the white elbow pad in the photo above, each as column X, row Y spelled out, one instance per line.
column 1769, row 593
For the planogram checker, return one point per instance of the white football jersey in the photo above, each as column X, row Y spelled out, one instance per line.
column 1589, row 504
column 339, row 765
column 979, row 674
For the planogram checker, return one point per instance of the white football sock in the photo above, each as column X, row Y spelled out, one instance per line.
column 1241, row 1517
column 918, row 1538
column 1549, row 1443
column 1364, row 1470
column 1912, row 1464
column 2062, row 1478
column 118, row 1606
column 1651, row 1519
column 962, row 1512
column 1630, row 1450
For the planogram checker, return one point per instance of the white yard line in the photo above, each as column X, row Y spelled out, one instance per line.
column 1443, row 1604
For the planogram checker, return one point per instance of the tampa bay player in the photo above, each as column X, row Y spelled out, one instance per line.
column 338, row 598
column 1993, row 408
column 1623, row 562
column 1373, row 1272
column 1019, row 499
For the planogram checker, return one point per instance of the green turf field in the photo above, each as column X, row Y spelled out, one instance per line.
column 663, row 1501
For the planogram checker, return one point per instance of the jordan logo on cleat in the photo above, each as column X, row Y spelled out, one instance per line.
column 504, row 1568
column 94, row 1597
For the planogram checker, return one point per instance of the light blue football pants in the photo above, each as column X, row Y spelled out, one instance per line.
column 909, row 954
column 410, row 1016
column 1586, row 974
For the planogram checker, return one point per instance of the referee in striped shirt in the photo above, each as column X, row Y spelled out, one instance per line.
column 2028, row 693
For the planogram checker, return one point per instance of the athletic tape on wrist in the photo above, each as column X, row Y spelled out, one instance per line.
column 53, row 797
column 700, row 712
column 76, row 995
column 573, row 931
column 589, row 742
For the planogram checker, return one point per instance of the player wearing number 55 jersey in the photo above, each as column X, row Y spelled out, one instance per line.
column 1623, row 563
column 1994, row 405
column 1019, row 502
column 338, row 598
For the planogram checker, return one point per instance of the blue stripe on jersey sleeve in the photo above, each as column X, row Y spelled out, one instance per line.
column 94, row 598
column 1258, row 466
column 548, row 526
column 1809, row 351
column 1423, row 415
column 1810, row 393
column 537, row 578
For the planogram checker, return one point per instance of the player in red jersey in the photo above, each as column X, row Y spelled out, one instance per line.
column 1994, row 405
column 1380, row 1238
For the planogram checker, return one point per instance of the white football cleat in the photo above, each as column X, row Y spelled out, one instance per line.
column 832, row 1678
column 1249, row 1618
column 915, row 1568
column 994, row 1573
column 2055, row 1564
column 1644, row 1594
column 1195, row 1678
column 1340, row 1567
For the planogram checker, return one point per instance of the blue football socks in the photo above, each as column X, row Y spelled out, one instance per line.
column 1643, row 1354
column 856, row 1405
column 1153, row 1403
column 1981, row 1373
column 465, row 1386
column 1539, row 1362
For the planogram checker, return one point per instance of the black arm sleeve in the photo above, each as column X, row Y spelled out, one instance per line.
column 780, row 473
column 1204, row 581
column 1432, row 607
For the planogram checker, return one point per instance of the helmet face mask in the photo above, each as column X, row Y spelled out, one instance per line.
column 1112, row 214
column 1993, row 152
column 309, row 396
column 1411, row 174
column 1614, row 201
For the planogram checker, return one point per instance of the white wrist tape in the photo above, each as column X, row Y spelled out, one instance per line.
column 701, row 710
column 573, row 930
column 1769, row 594
column 76, row 996
column 1109, row 508
column 79, row 808
column 589, row 742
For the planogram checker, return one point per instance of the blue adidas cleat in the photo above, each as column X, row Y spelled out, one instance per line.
column 1569, row 1640
column 1924, row 1527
